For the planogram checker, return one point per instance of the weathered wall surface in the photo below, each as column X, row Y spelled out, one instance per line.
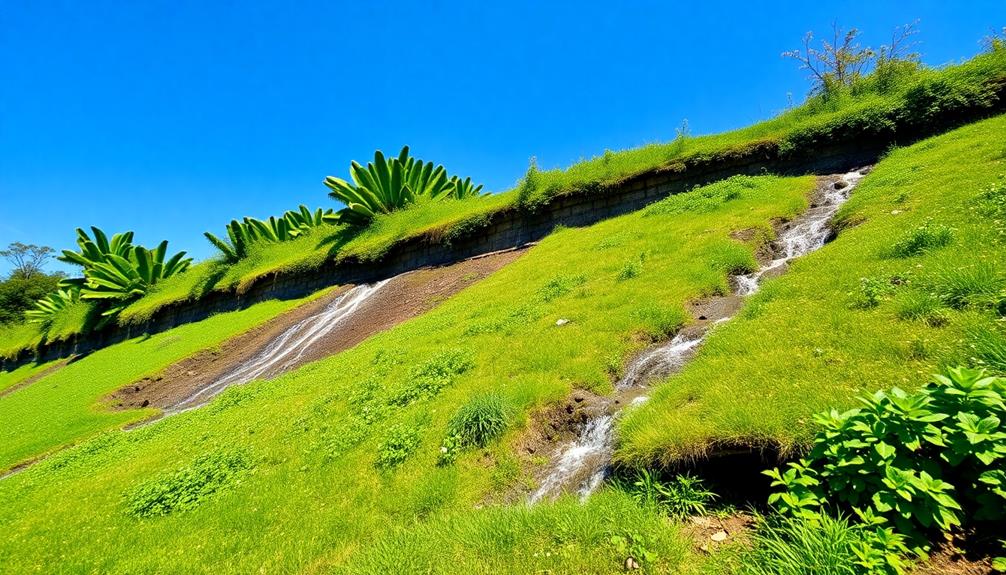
column 515, row 227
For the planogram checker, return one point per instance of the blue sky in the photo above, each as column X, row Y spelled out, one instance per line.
column 171, row 118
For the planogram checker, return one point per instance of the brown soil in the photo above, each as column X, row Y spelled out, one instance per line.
column 964, row 555
column 708, row 533
column 402, row 298
column 25, row 383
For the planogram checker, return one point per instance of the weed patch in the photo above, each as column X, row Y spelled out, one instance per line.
column 398, row 444
column 186, row 488
column 928, row 236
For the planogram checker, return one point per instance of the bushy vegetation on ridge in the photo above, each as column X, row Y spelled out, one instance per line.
column 889, row 101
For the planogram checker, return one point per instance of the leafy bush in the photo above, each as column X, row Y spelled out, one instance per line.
column 979, row 285
column 399, row 443
column 822, row 545
column 388, row 185
column 484, row 418
column 924, row 461
column 426, row 380
column 189, row 486
column 681, row 496
column 926, row 237
column 872, row 291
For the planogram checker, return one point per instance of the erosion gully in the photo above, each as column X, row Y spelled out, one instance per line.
column 581, row 465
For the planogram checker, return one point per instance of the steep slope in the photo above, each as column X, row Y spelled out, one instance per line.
column 300, row 472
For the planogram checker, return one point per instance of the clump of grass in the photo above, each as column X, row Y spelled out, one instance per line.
column 979, row 285
column 189, row 486
column 398, row 444
column 560, row 285
column 477, row 423
column 732, row 258
column 928, row 236
column 681, row 496
column 632, row 268
column 988, row 344
column 916, row 305
column 872, row 291
column 660, row 321
column 821, row 545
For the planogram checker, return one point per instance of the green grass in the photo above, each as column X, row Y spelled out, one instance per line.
column 871, row 108
column 9, row 379
column 807, row 342
column 349, row 446
column 64, row 406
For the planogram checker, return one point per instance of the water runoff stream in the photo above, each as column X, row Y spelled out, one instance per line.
column 285, row 350
column 582, row 465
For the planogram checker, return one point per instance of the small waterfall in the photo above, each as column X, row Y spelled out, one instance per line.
column 287, row 348
column 584, row 463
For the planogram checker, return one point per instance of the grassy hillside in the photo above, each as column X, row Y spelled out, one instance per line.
column 302, row 472
column 897, row 295
column 64, row 406
column 881, row 105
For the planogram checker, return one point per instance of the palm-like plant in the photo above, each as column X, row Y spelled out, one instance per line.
column 463, row 189
column 291, row 224
column 116, row 270
column 384, row 186
column 52, row 304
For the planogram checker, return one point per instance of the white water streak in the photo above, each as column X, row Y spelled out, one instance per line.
column 586, row 461
column 286, row 349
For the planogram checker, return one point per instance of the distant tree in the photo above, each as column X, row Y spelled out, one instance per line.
column 27, row 282
column 27, row 259
column 842, row 61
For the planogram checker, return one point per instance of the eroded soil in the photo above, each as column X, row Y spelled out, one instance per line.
column 403, row 297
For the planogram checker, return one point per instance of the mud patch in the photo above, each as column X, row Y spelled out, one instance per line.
column 403, row 297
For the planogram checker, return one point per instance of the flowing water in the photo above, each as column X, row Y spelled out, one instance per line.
column 286, row 349
column 581, row 466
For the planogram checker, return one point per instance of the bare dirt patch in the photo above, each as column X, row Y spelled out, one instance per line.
column 708, row 533
column 403, row 297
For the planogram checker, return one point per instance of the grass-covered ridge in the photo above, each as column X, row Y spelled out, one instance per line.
column 333, row 454
column 909, row 102
column 911, row 284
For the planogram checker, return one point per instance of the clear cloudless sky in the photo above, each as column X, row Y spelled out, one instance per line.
column 170, row 118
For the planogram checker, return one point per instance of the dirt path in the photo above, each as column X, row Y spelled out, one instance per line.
column 403, row 297
column 30, row 380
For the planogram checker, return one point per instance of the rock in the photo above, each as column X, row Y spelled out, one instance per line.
column 840, row 184
column 719, row 536
column 145, row 403
column 578, row 398
column 561, row 322
column 631, row 564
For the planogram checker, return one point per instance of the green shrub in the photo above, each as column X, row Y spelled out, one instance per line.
column 822, row 545
column 426, row 380
column 681, row 496
column 398, row 444
column 923, row 462
column 979, row 285
column 189, row 486
column 872, row 291
column 921, row 306
column 483, row 419
column 926, row 237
